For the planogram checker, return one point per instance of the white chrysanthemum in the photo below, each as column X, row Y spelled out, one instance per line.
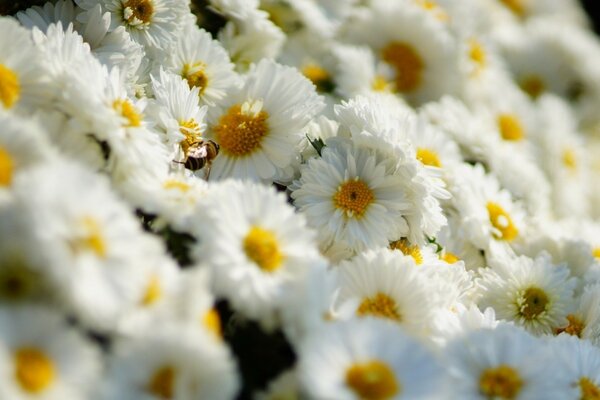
column 262, row 124
column 152, row 23
column 419, row 48
column 20, row 64
column 351, row 195
column 43, row 358
column 90, row 242
column 255, row 245
column 387, row 284
column 62, row 11
column 457, row 246
column 451, row 324
column 503, row 363
column 533, row 293
column 584, row 321
column 367, row 359
column 170, row 362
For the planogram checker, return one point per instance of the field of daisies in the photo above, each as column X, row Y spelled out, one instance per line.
column 299, row 199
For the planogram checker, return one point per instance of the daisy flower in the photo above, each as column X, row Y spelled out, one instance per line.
column 351, row 195
column 503, row 363
column 262, row 123
column 534, row 293
column 366, row 359
column 584, row 321
column 42, row 357
column 255, row 245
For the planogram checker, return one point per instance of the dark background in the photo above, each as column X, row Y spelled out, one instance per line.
column 594, row 14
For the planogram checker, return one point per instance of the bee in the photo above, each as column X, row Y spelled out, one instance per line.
column 199, row 153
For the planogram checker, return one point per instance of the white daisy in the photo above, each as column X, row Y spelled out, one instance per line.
column 351, row 195
column 42, row 357
column 534, row 293
column 367, row 359
column 262, row 123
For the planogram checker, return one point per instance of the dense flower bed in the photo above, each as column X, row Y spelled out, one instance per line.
column 285, row 199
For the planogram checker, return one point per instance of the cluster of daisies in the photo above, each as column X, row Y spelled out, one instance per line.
column 399, row 196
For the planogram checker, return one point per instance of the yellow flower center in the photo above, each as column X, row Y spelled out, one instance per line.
column 153, row 291
column 380, row 305
column 407, row 63
column 532, row 303
column 596, row 252
column 381, row 84
column 373, row 380
column 428, row 157
column 502, row 382
column 17, row 282
column 127, row 110
column 353, row 198
column 261, row 246
column 433, row 8
column 408, row 250
column 502, row 221
column 212, row 322
column 10, row 89
column 589, row 390
column 319, row 76
column 240, row 132
column 162, row 383
column 533, row 85
column 138, row 11
column 91, row 239
column 195, row 75
column 569, row 159
column 574, row 328
column 477, row 54
column 173, row 184
column 6, row 167
column 34, row 370
column 516, row 6
column 510, row 127
column 450, row 258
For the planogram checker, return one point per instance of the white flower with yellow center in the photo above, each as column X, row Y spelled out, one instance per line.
column 255, row 245
column 533, row 293
column 152, row 23
column 367, row 359
column 261, row 125
column 386, row 284
column 43, row 357
column 419, row 48
column 170, row 361
column 505, row 363
column 352, row 196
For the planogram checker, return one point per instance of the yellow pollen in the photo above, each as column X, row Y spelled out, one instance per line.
column 450, row 258
column 240, row 133
column 380, row 305
column 407, row 63
column 502, row 221
column 373, row 380
column 128, row 111
column 434, row 8
column 569, row 159
column 318, row 75
column 533, row 85
column 173, row 184
column 532, row 303
column 138, row 10
column 516, row 6
column 10, row 89
column 510, row 127
column 502, row 382
column 34, row 370
column 477, row 54
column 195, row 75
column 574, row 328
column 428, row 157
column 408, row 250
column 261, row 246
column 91, row 239
column 596, row 252
column 380, row 84
column 153, row 291
column 212, row 322
column 353, row 197
column 6, row 168
column 589, row 390
column 17, row 282
column 162, row 383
